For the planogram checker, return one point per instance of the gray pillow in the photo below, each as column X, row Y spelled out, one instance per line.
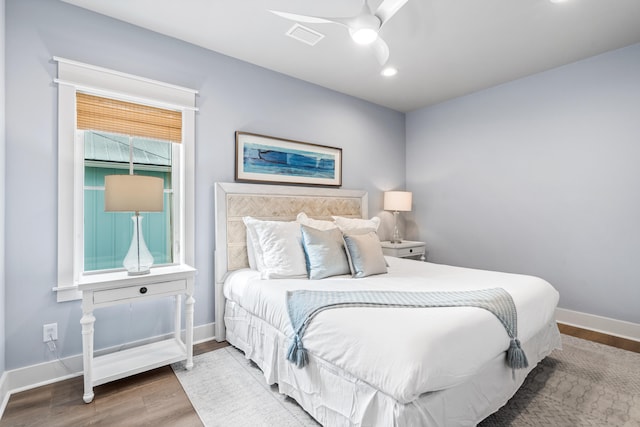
column 365, row 254
column 325, row 253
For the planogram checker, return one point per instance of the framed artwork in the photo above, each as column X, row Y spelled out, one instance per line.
column 261, row 158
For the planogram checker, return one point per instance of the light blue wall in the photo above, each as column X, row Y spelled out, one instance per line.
column 539, row 176
column 233, row 96
column 2, row 190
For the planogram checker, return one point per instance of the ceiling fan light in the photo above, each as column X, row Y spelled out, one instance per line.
column 389, row 71
column 364, row 35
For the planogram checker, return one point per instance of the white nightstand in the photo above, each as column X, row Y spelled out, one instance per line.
column 406, row 249
column 102, row 290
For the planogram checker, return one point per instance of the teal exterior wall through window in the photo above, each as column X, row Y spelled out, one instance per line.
column 107, row 235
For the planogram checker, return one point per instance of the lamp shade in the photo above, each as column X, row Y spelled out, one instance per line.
column 133, row 193
column 397, row 201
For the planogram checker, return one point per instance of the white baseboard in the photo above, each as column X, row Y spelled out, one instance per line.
column 204, row 333
column 28, row 377
column 4, row 392
column 606, row 325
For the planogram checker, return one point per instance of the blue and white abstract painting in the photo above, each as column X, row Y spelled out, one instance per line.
column 258, row 158
column 264, row 158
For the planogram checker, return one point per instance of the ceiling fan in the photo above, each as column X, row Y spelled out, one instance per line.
column 363, row 28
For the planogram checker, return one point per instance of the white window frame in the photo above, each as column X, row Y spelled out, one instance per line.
column 75, row 76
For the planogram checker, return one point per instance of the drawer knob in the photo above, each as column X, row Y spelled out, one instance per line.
column 410, row 250
column 143, row 290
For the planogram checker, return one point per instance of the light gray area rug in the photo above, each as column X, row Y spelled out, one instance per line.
column 585, row 384
column 228, row 390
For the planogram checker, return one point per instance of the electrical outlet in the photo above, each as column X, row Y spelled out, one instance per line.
column 50, row 332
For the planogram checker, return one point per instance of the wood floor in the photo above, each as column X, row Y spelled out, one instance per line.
column 600, row 337
column 154, row 398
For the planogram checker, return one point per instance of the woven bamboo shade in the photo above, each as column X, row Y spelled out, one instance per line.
column 128, row 118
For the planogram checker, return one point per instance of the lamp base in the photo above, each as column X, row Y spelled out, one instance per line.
column 138, row 273
column 138, row 260
column 396, row 233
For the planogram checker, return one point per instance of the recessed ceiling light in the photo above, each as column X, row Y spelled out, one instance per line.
column 389, row 71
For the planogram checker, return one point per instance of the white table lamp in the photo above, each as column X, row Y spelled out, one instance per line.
column 135, row 193
column 397, row 201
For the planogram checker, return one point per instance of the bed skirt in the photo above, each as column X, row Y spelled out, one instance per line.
column 336, row 398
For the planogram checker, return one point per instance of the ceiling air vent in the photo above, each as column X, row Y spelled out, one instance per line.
column 304, row 34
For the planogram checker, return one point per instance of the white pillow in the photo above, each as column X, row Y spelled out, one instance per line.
column 318, row 224
column 365, row 254
column 352, row 224
column 251, row 252
column 277, row 247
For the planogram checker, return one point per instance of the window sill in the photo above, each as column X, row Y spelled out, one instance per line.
column 121, row 278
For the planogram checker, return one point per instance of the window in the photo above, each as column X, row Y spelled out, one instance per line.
column 114, row 123
column 107, row 235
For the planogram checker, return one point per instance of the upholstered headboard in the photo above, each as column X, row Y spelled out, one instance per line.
column 269, row 202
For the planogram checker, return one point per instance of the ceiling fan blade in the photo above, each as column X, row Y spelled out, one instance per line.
column 387, row 9
column 366, row 9
column 313, row 19
column 381, row 50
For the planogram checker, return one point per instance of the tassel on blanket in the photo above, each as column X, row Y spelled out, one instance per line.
column 297, row 354
column 516, row 358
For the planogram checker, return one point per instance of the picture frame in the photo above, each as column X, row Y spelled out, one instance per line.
column 261, row 158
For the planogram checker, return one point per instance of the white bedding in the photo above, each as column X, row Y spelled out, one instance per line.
column 404, row 352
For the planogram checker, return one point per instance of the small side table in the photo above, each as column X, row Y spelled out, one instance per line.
column 103, row 290
column 406, row 249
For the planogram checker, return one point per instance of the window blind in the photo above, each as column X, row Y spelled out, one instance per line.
column 128, row 118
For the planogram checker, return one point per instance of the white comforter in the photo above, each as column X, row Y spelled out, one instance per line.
column 404, row 352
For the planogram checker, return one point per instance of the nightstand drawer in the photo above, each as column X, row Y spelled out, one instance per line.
column 405, row 249
column 140, row 291
column 406, row 252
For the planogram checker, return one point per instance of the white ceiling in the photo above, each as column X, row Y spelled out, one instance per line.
column 442, row 48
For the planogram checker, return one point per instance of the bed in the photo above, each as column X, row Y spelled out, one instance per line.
column 373, row 366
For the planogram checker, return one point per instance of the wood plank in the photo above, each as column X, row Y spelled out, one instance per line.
column 623, row 343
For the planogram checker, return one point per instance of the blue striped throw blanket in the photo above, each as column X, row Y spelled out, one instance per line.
column 303, row 305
